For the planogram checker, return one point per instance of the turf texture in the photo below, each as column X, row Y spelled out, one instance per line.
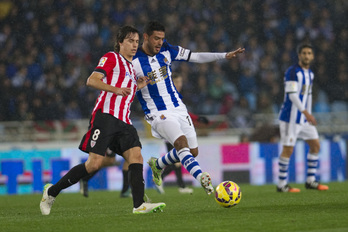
column 261, row 209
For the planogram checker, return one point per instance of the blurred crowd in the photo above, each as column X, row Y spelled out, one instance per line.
column 48, row 48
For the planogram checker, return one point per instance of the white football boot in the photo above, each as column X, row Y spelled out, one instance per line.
column 46, row 201
column 206, row 183
column 149, row 208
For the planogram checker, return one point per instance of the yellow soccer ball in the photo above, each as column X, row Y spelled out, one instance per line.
column 228, row 194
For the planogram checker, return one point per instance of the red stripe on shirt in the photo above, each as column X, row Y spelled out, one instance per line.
column 111, row 77
column 108, row 68
column 130, row 84
column 119, row 84
column 88, row 134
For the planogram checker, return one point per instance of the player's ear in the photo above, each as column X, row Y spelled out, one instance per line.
column 145, row 36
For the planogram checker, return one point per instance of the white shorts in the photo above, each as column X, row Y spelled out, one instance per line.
column 171, row 125
column 289, row 132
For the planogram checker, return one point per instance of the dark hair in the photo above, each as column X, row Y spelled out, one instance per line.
column 123, row 33
column 152, row 26
column 302, row 46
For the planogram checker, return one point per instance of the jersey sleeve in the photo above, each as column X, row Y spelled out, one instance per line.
column 291, row 86
column 291, row 80
column 178, row 53
column 290, row 74
column 106, row 64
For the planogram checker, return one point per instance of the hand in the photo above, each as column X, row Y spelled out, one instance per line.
column 142, row 82
column 122, row 91
column 203, row 120
column 234, row 53
column 310, row 118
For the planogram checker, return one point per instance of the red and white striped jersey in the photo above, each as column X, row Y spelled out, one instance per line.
column 120, row 73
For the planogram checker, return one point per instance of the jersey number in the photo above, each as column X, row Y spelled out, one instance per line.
column 96, row 134
column 189, row 121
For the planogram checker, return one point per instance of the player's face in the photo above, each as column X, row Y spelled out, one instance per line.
column 306, row 57
column 154, row 42
column 129, row 46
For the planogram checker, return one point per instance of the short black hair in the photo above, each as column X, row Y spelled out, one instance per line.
column 123, row 33
column 152, row 26
column 302, row 46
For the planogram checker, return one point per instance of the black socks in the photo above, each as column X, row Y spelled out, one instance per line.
column 125, row 181
column 137, row 184
column 72, row 177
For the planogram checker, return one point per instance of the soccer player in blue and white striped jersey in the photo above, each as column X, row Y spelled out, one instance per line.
column 297, row 121
column 162, row 103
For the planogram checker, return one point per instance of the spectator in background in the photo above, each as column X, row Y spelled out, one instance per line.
column 19, row 78
column 88, row 29
column 338, row 92
column 38, row 109
column 240, row 116
column 248, row 88
column 72, row 111
column 227, row 104
column 77, row 47
column 265, row 104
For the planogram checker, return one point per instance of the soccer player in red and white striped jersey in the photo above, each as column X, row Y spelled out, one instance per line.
column 110, row 125
column 118, row 72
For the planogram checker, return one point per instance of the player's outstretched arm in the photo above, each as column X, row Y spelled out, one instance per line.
column 234, row 53
column 205, row 57
column 95, row 81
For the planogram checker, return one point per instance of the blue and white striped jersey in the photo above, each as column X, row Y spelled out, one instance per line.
column 297, row 80
column 160, row 94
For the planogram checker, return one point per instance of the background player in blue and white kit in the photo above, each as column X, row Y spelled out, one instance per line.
column 297, row 121
column 162, row 103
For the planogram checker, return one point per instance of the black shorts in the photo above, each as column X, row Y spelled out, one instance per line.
column 106, row 131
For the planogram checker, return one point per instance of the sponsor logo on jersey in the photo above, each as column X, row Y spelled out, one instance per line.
column 162, row 117
column 166, row 60
column 102, row 61
column 182, row 52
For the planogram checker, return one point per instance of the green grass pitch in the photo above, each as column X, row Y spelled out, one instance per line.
column 261, row 209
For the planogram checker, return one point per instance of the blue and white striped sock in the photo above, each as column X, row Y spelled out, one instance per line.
column 312, row 166
column 283, row 171
column 190, row 163
column 170, row 158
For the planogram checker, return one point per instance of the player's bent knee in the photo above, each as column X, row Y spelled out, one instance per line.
column 133, row 155
column 108, row 161
column 287, row 151
column 94, row 162
column 314, row 149
column 180, row 143
column 314, row 146
column 93, row 166
column 137, row 158
column 194, row 152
